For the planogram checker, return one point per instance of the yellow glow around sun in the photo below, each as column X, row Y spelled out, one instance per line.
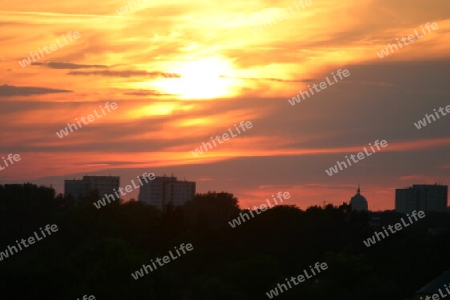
column 199, row 79
column 156, row 109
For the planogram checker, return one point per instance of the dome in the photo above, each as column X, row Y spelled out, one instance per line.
column 359, row 202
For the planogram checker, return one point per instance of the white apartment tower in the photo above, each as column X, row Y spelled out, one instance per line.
column 102, row 184
column 164, row 190
column 426, row 197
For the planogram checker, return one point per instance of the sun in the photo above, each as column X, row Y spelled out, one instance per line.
column 199, row 79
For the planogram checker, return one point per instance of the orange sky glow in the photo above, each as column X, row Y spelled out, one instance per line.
column 184, row 71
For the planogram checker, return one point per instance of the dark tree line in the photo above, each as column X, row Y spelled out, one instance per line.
column 95, row 251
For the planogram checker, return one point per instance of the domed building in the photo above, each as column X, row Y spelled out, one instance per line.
column 359, row 202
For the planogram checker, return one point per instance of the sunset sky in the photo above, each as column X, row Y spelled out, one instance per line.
column 224, row 71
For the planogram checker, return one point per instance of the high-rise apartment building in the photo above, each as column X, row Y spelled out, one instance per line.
column 164, row 190
column 424, row 197
column 406, row 200
column 102, row 184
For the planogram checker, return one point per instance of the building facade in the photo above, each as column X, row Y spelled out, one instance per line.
column 164, row 190
column 102, row 184
column 406, row 200
column 426, row 197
